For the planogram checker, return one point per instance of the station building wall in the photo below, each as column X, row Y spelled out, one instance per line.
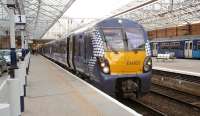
column 193, row 29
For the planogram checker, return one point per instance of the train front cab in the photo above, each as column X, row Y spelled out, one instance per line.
column 126, row 65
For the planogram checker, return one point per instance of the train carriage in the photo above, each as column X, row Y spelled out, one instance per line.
column 181, row 47
column 114, row 53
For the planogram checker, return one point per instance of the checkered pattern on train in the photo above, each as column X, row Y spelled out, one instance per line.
column 147, row 48
column 98, row 49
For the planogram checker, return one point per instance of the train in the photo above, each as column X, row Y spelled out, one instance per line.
column 113, row 53
column 180, row 47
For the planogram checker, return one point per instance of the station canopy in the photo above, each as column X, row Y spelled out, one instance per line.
column 43, row 16
column 158, row 14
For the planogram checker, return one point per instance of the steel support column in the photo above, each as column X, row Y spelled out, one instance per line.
column 12, row 40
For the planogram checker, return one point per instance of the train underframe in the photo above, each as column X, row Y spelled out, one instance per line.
column 128, row 85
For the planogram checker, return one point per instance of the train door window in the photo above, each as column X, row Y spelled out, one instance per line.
column 70, row 45
column 85, row 46
column 186, row 45
column 190, row 45
column 77, row 46
column 81, row 48
column 155, row 46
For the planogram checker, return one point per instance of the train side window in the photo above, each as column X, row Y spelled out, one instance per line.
column 198, row 45
column 88, row 46
column 82, row 48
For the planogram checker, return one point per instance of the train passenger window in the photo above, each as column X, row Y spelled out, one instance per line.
column 198, row 45
column 177, row 45
column 88, row 46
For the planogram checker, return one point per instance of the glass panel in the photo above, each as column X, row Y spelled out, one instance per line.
column 135, row 37
column 155, row 46
column 186, row 45
column 191, row 45
column 198, row 45
column 114, row 39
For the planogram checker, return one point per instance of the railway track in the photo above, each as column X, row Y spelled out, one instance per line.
column 179, row 82
column 184, row 98
column 144, row 109
column 183, row 77
column 163, row 101
column 172, row 102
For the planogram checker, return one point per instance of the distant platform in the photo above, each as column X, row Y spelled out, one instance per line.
column 183, row 66
column 52, row 91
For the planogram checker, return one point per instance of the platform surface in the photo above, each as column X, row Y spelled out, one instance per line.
column 189, row 66
column 52, row 91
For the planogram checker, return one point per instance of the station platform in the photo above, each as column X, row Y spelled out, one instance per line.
column 183, row 66
column 53, row 91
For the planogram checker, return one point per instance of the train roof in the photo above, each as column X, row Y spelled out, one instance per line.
column 118, row 22
column 110, row 22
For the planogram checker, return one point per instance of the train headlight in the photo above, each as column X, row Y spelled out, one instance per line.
column 147, row 64
column 106, row 70
column 104, row 65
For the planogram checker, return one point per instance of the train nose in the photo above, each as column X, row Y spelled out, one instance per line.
column 126, row 62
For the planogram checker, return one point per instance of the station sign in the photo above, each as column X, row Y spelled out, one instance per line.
column 30, row 41
column 20, row 19
column 20, row 27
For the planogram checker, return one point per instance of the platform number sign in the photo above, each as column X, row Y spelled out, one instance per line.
column 20, row 19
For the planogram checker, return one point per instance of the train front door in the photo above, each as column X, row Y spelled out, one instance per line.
column 188, row 49
column 155, row 49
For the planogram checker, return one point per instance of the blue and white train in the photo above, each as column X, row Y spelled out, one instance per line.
column 181, row 47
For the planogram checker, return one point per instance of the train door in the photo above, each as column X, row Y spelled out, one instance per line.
column 188, row 49
column 68, row 63
column 71, row 52
column 65, row 52
column 155, row 49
